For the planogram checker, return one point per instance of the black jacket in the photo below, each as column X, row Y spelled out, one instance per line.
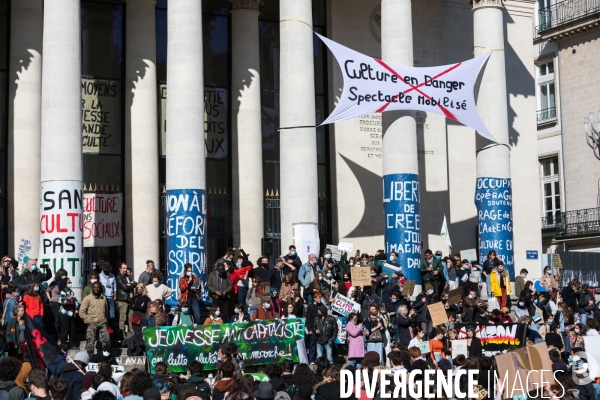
column 75, row 378
column 311, row 314
column 328, row 329
column 474, row 350
column 29, row 277
column 422, row 312
column 281, row 383
column 331, row 391
column 266, row 275
column 404, row 329
column 123, row 288
column 568, row 296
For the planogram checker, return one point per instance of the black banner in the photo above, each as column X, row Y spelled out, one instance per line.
column 495, row 338
column 42, row 349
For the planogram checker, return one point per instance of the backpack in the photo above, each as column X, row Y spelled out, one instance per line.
column 4, row 393
column 202, row 390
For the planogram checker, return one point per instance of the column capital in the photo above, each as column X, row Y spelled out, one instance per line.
column 487, row 3
column 245, row 4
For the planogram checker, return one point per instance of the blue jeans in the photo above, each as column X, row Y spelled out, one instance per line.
column 327, row 348
column 597, row 389
column 378, row 347
column 241, row 295
column 355, row 362
column 38, row 320
column 194, row 304
column 567, row 342
column 111, row 307
column 251, row 311
column 535, row 327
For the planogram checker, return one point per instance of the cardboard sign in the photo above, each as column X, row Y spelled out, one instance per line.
column 344, row 306
column 470, row 255
column 336, row 253
column 459, row 347
column 408, row 288
column 424, row 347
column 556, row 261
column 262, row 289
column 361, row 276
column 391, row 269
column 438, row 313
column 25, row 247
column 530, row 365
column 455, row 296
column 345, row 246
column 93, row 367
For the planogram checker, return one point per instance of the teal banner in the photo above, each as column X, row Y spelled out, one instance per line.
column 259, row 342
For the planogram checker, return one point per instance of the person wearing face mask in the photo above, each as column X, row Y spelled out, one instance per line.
column 356, row 345
column 403, row 325
column 470, row 304
column 292, row 258
column 347, row 263
column 34, row 307
column 307, row 274
column 263, row 271
column 347, row 280
column 264, row 312
column 374, row 329
column 576, row 335
column 316, row 284
column 34, row 274
column 109, row 285
column 93, row 278
column 500, row 283
column 418, row 337
column 189, row 287
column 139, row 305
column 219, row 287
column 69, row 308
column 326, row 328
column 184, row 317
column 432, row 272
column 239, row 282
column 422, row 317
column 93, row 312
column 157, row 290
column 521, row 309
column 312, row 312
column 214, row 316
column 520, row 281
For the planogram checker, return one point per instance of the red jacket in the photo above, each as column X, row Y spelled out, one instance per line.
column 239, row 274
column 33, row 305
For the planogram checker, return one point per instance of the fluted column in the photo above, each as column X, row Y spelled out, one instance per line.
column 248, row 206
column 141, row 136
column 186, row 171
column 400, row 160
column 24, row 123
column 298, row 153
column 61, row 199
column 493, row 191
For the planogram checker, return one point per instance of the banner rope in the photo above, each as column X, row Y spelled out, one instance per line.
column 493, row 145
column 296, row 20
column 487, row 48
column 297, row 127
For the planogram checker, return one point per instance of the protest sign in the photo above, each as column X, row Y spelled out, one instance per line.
column 344, row 306
column 93, row 367
column 495, row 339
column 455, row 295
column 390, row 269
column 262, row 289
column 438, row 313
column 259, row 377
column 342, row 333
column 592, row 348
column 102, row 226
column 259, row 342
column 336, row 253
column 493, row 198
column 346, row 246
column 529, row 367
column 25, row 247
column 459, row 347
column 470, row 255
column 556, row 261
column 101, row 116
column 186, row 240
column 61, row 228
column 424, row 347
column 373, row 86
column 361, row 276
column 408, row 288
column 306, row 239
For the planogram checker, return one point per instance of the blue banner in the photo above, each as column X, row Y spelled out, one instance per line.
column 493, row 198
column 402, row 221
column 186, row 237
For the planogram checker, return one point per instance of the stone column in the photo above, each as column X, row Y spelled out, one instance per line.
column 400, row 159
column 24, row 123
column 298, row 147
column 493, row 161
column 186, row 172
column 61, row 199
column 248, row 205
column 141, row 136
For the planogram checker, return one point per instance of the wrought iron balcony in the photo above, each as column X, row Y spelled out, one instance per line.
column 564, row 12
column 579, row 222
column 547, row 115
column 551, row 220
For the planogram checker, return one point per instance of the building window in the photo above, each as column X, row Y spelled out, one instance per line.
column 550, row 191
column 545, row 93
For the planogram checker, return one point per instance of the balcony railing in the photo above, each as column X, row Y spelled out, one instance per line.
column 551, row 220
column 579, row 222
column 565, row 12
column 547, row 115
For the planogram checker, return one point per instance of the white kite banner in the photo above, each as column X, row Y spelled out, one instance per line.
column 102, row 219
column 373, row 86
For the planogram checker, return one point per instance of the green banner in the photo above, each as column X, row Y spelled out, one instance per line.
column 259, row 342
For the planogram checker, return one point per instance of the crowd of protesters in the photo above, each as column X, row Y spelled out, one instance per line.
column 386, row 331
